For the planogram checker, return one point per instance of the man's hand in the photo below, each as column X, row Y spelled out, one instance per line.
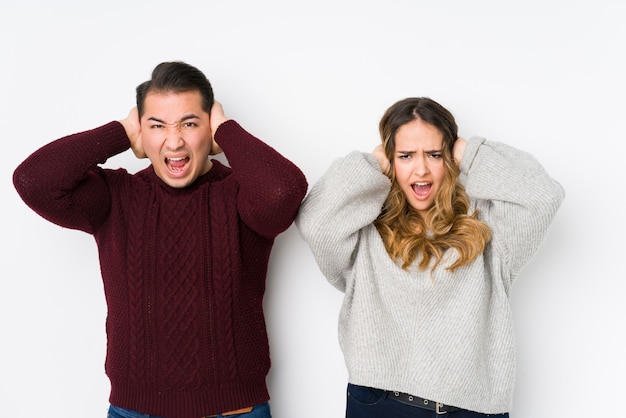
column 133, row 131
column 217, row 117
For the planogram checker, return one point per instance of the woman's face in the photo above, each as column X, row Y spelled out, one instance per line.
column 418, row 163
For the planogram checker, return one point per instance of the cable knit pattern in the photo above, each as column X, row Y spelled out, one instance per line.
column 183, row 269
column 137, row 332
column 223, row 271
column 178, row 284
column 448, row 336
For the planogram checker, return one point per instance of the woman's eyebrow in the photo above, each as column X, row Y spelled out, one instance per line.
column 414, row 152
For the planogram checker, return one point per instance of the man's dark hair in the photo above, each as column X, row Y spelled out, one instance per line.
column 176, row 77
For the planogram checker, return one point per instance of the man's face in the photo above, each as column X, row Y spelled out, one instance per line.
column 176, row 136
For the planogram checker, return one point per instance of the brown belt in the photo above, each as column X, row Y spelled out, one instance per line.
column 236, row 411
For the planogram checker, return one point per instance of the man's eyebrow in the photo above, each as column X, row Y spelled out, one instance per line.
column 184, row 118
column 189, row 116
column 156, row 119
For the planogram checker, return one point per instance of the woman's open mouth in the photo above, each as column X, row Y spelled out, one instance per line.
column 421, row 189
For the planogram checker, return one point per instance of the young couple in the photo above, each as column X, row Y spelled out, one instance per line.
column 425, row 236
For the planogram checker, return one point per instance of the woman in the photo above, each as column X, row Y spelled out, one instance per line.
column 427, row 261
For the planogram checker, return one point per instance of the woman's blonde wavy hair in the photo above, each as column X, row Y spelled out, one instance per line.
column 447, row 224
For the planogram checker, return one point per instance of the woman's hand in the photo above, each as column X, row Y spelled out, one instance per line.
column 458, row 149
column 379, row 153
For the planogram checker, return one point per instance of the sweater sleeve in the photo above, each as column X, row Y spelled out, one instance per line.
column 514, row 195
column 61, row 181
column 271, row 187
column 347, row 198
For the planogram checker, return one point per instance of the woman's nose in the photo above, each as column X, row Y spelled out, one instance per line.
column 420, row 167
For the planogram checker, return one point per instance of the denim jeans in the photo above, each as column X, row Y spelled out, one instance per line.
column 259, row 411
column 366, row 402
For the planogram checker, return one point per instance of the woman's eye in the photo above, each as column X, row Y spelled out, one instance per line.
column 436, row 155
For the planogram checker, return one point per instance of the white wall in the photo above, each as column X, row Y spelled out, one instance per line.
column 312, row 79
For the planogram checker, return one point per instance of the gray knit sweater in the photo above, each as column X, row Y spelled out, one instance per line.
column 446, row 337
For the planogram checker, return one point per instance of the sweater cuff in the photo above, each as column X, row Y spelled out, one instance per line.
column 116, row 139
column 471, row 149
column 228, row 128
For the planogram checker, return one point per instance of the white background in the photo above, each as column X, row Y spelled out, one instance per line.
column 312, row 79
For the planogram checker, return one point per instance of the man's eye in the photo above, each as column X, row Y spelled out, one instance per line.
column 156, row 126
column 189, row 125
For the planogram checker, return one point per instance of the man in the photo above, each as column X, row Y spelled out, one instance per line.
column 183, row 245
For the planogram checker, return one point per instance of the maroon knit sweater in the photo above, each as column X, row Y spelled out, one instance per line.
column 183, row 269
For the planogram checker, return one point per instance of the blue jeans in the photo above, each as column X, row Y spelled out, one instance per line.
column 366, row 402
column 259, row 411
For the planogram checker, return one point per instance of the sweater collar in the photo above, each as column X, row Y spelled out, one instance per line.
column 217, row 172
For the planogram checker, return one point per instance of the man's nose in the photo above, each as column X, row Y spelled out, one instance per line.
column 173, row 136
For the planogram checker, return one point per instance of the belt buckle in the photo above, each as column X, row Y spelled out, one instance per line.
column 438, row 407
